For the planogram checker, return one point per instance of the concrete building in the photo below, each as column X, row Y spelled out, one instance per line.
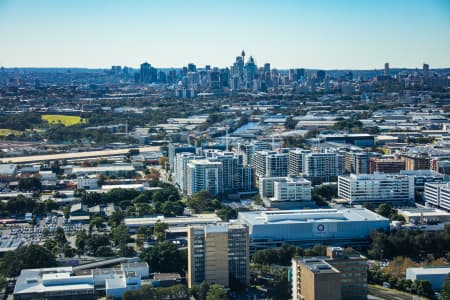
column 62, row 283
column 180, row 168
column 437, row 195
column 349, row 279
column 295, row 159
column 356, row 162
column 386, row 165
column 423, row 176
column 181, row 221
column 217, row 253
column 357, row 139
column 398, row 190
column 337, row 227
column 248, row 149
column 203, row 174
column 322, row 167
column 108, row 170
column 270, row 164
column 285, row 192
column 175, row 148
column 435, row 275
column 416, row 161
column 315, row 279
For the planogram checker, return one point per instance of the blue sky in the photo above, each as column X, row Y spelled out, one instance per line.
column 325, row 34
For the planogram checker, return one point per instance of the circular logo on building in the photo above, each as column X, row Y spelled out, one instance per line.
column 320, row 227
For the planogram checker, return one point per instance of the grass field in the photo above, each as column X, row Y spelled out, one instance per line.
column 6, row 132
column 65, row 120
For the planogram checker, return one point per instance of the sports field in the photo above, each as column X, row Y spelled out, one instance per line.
column 63, row 119
column 6, row 132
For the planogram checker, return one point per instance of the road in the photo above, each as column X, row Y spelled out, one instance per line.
column 390, row 294
column 75, row 155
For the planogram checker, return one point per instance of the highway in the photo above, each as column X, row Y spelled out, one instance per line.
column 74, row 155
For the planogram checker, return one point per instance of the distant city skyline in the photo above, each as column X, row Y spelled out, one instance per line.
column 325, row 34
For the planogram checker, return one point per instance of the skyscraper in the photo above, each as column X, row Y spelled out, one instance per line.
column 386, row 69
column 145, row 73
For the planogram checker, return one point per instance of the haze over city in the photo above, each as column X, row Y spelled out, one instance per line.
column 324, row 34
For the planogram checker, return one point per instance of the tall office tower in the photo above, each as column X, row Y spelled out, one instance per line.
column 214, row 79
column 191, row 67
column 295, row 161
column 296, row 74
column 266, row 68
column 270, row 164
column 175, row 148
column 377, row 188
column 386, row 69
column 145, row 75
column 339, row 275
column 323, row 167
column 426, row 70
column 217, row 254
column 203, row 174
column 249, row 72
column 247, row 150
column 162, row 77
column 225, row 77
column 320, row 76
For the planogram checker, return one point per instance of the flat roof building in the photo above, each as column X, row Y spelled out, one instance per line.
column 435, row 275
column 342, row 226
column 398, row 190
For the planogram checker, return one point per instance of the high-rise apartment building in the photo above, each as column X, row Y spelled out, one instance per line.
column 175, row 148
column 270, row 164
column 295, row 158
column 322, row 167
column 217, row 254
column 203, row 174
column 248, row 149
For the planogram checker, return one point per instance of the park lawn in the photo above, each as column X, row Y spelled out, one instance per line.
column 6, row 132
column 63, row 119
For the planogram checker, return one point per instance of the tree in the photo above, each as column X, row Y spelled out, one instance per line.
column 226, row 213
column 60, row 237
column 217, row 292
column 164, row 257
column 115, row 218
column 121, row 236
column 445, row 291
column 32, row 184
column 290, row 123
column 80, row 240
column 204, row 201
column 104, row 251
column 27, row 257
column 159, row 231
column 384, row 209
